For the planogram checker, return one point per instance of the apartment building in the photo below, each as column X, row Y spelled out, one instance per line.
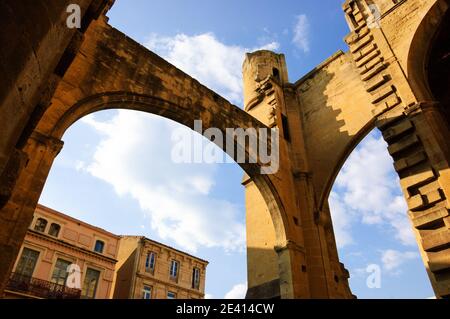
column 58, row 249
column 56, row 246
column 147, row 269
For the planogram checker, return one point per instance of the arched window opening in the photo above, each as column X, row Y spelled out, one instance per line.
column 276, row 74
column 99, row 246
column 375, row 239
column 41, row 225
column 54, row 230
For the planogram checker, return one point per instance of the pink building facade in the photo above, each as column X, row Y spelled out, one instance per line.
column 63, row 257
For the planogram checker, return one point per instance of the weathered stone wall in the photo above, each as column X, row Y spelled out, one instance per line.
column 274, row 101
column 37, row 47
column 340, row 102
column 407, row 17
column 261, row 241
column 380, row 83
column 112, row 71
column 414, row 129
column 336, row 114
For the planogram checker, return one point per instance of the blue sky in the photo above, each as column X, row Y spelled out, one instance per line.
column 115, row 170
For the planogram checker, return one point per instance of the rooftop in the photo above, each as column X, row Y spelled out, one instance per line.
column 166, row 246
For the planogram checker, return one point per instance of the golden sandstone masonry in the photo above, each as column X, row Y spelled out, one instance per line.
column 394, row 76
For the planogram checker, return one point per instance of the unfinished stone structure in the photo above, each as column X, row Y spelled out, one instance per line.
column 395, row 76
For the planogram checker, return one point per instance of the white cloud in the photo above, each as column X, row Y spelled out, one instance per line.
column 209, row 296
column 134, row 157
column 204, row 57
column 368, row 190
column 341, row 221
column 393, row 259
column 301, row 33
column 134, row 153
column 237, row 292
column 80, row 165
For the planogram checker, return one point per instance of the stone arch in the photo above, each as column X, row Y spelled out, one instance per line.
column 425, row 84
column 419, row 50
column 169, row 110
column 112, row 71
column 103, row 68
column 148, row 104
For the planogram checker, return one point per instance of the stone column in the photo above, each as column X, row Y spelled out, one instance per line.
column 313, row 225
column 418, row 142
column 434, row 117
column 317, row 265
column 432, row 223
column 17, row 214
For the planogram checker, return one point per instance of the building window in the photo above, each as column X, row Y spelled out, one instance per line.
column 276, row 74
column 174, row 265
column 150, row 262
column 171, row 295
column 90, row 284
column 60, row 272
column 40, row 225
column 147, row 292
column 99, row 246
column 27, row 262
column 196, row 278
column 54, row 230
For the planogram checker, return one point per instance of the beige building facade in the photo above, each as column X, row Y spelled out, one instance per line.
column 147, row 269
column 57, row 244
column 58, row 247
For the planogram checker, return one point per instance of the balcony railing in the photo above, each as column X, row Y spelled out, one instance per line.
column 41, row 288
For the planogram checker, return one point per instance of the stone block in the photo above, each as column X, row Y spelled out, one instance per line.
column 398, row 129
column 439, row 260
column 436, row 240
column 429, row 217
column 404, row 143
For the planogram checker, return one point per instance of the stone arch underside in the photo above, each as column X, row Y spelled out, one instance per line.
column 411, row 124
column 337, row 115
column 184, row 116
column 111, row 70
column 348, row 95
column 338, row 108
column 351, row 93
column 419, row 49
